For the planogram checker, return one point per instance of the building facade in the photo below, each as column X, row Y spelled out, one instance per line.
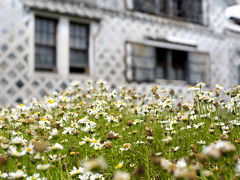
column 45, row 44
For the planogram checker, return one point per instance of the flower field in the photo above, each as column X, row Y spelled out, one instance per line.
column 92, row 133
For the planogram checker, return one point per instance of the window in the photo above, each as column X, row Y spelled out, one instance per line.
column 189, row 10
column 45, row 44
column 149, row 63
column 78, row 48
column 171, row 64
column 144, row 59
column 61, row 45
column 151, row 6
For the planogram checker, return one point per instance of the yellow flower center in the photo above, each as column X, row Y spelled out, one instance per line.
column 16, row 153
column 120, row 165
column 50, row 101
column 28, row 149
column 87, row 140
column 43, row 119
column 95, row 141
column 81, row 103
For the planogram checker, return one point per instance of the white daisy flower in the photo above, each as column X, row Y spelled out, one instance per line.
column 16, row 175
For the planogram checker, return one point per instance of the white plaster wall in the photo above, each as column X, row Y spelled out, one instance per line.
column 116, row 26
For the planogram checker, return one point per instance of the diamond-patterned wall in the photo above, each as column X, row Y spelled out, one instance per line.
column 117, row 25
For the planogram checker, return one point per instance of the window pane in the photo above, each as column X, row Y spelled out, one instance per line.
column 144, row 75
column 149, row 6
column 45, row 31
column 78, row 43
column 78, row 48
column 161, row 63
column 78, row 58
column 45, row 57
column 78, row 30
column 78, row 36
column 45, row 43
column 197, row 67
column 196, row 15
column 179, row 65
column 160, row 73
column 179, row 8
column 188, row 9
column 144, row 62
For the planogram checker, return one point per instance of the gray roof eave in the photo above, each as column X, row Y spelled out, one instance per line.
column 80, row 10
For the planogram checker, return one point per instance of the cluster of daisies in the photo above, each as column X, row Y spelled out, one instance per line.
column 90, row 131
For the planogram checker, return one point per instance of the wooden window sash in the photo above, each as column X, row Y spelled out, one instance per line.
column 170, row 70
column 40, row 31
column 197, row 66
column 79, row 49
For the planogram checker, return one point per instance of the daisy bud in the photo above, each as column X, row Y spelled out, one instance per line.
column 129, row 123
column 112, row 135
column 3, row 160
column 201, row 157
column 127, row 146
column 172, row 92
column 224, row 137
column 149, row 131
column 40, row 146
column 139, row 171
column 108, row 145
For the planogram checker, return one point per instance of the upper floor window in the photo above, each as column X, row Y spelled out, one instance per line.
column 45, row 44
column 189, row 10
column 78, row 48
column 151, row 6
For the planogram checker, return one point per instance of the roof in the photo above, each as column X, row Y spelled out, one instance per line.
column 233, row 15
column 232, row 2
column 70, row 7
column 233, row 12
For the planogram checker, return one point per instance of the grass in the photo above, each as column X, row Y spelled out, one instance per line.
column 100, row 132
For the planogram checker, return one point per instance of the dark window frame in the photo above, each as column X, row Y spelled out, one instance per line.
column 188, row 65
column 45, row 68
column 169, row 65
column 169, row 11
column 75, row 68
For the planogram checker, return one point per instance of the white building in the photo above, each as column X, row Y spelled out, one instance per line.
column 44, row 44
